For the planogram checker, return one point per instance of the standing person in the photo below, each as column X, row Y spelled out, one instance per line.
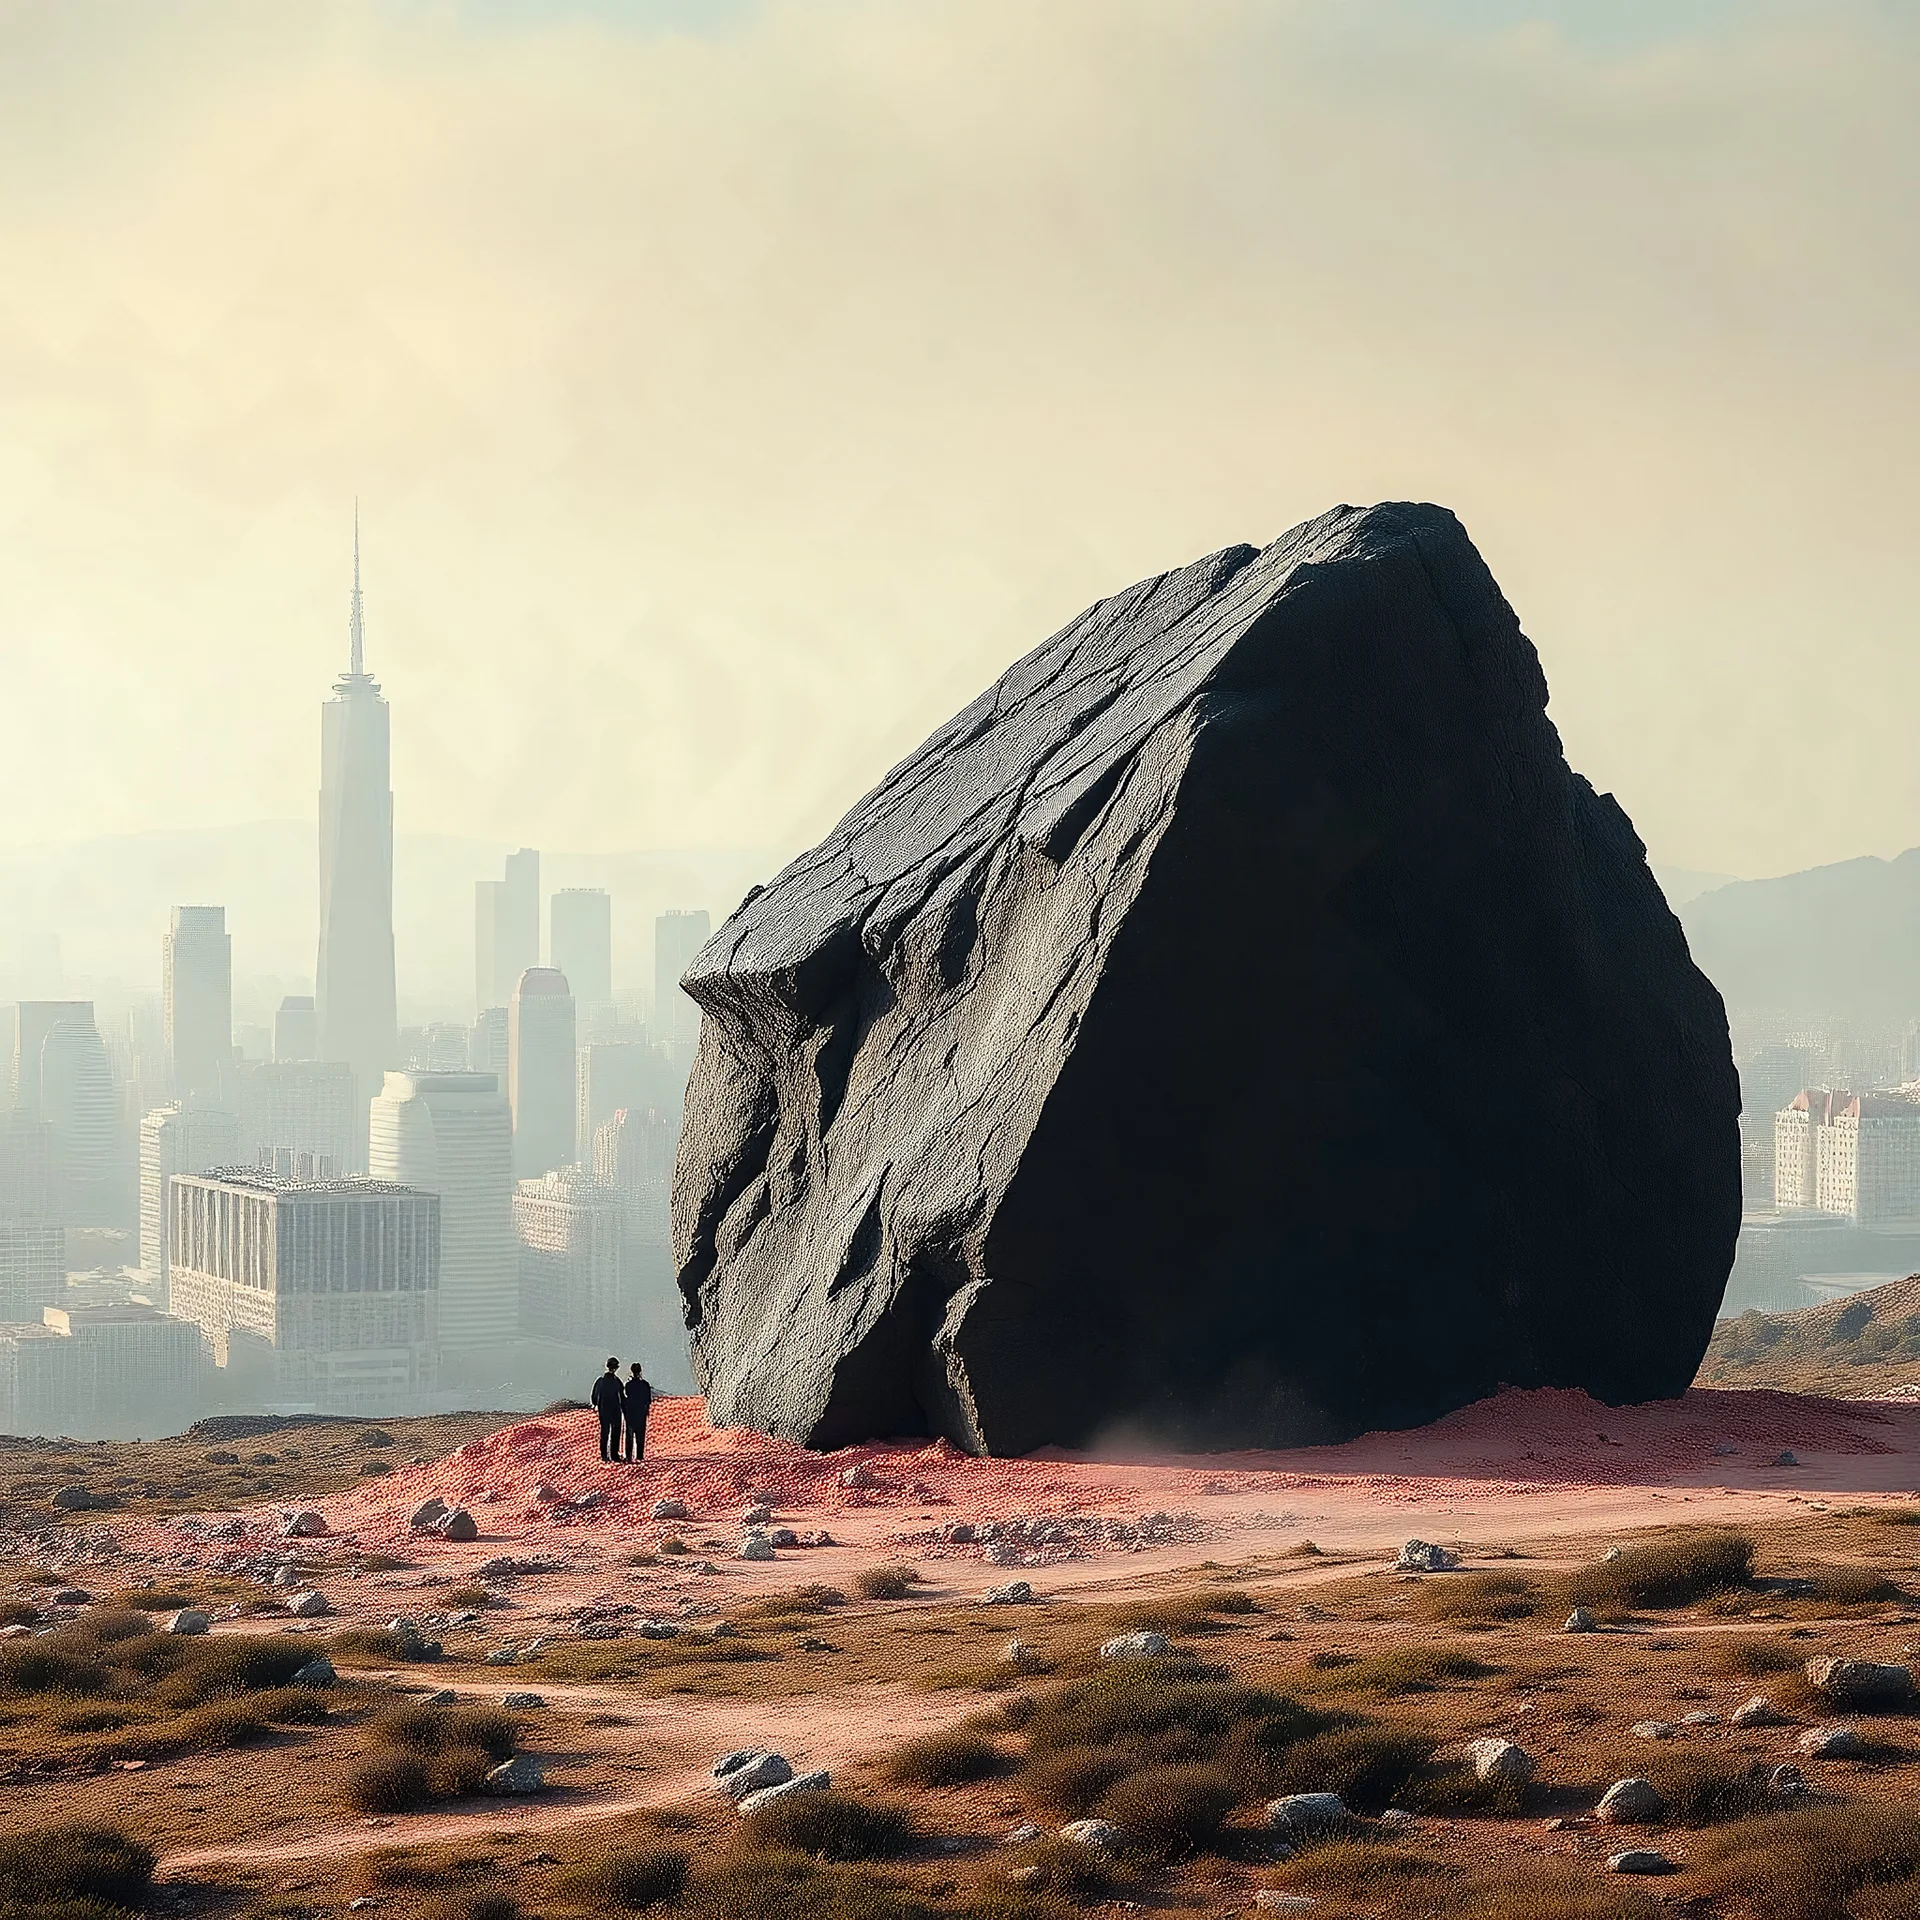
column 639, row 1403
column 606, row 1402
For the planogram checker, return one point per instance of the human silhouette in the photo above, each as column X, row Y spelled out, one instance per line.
column 639, row 1403
column 607, row 1402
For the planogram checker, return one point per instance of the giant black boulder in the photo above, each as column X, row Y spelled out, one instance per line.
column 1238, row 1027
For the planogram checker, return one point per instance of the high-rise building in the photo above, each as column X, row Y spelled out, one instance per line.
column 439, row 1047
column 633, row 1158
column 33, row 1267
column 540, row 1071
column 100, row 1373
column 581, row 947
column 33, row 1020
column 176, row 1139
column 451, row 1134
column 677, row 937
column 570, row 1229
column 296, row 1029
column 487, row 1043
column 506, row 929
column 197, row 986
column 26, row 1168
column 613, row 1074
column 78, row 1102
column 353, row 984
column 317, row 1294
column 1854, row 1154
column 301, row 1106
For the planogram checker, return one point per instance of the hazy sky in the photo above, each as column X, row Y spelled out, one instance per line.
column 732, row 390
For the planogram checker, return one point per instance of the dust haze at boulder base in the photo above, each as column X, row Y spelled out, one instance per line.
column 1239, row 1027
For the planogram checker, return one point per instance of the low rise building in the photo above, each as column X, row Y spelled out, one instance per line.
column 310, row 1293
column 33, row 1267
column 570, row 1230
column 101, row 1373
column 1856, row 1155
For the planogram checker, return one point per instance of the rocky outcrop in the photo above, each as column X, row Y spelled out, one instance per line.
column 1239, row 1026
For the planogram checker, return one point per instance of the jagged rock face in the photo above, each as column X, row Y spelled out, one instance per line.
column 1238, row 1027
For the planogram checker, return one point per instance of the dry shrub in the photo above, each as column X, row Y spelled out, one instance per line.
column 1075, row 1780
column 1677, row 1570
column 19, row 1613
column 1350, row 1869
column 1548, row 1890
column 393, row 1781
column 1174, row 1811
column 1303, row 1550
column 152, row 1599
column 766, row 1884
column 1370, row 1768
column 947, row 1759
column 1476, row 1598
column 1852, row 1586
column 76, row 1869
column 1903, row 1514
column 1701, row 1790
column 419, row 1728
column 630, row 1879
column 371, row 1646
column 1809, row 1863
column 1404, row 1670
column 1178, row 1613
column 1755, row 1654
column 479, row 1903
column 456, row 1772
column 829, row 1826
column 814, row 1597
column 886, row 1583
column 471, row 1597
column 105, row 1625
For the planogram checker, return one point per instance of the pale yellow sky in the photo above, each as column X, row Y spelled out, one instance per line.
column 728, row 405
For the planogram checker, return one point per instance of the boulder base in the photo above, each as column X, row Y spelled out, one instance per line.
column 1238, row 1027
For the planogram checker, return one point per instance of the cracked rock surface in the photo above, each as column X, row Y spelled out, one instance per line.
column 1238, row 1027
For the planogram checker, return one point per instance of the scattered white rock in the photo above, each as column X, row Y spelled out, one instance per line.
column 1631, row 1803
column 187, row 1620
column 1016, row 1653
column 1102, row 1834
column 657, row 1630
column 1397, row 1817
column 1786, row 1780
column 783, row 1537
column 1832, row 1743
column 318, row 1672
column 1758, row 1712
column 748, row 1770
column 817, row 1782
column 1137, row 1646
column 429, row 1513
column 1861, row 1683
column 1307, row 1813
column 1016, row 1594
column 757, row 1516
column 1651, row 1730
column 1021, row 1835
column 1422, row 1556
column 304, row 1525
column 1700, row 1718
column 1496, row 1759
column 502, row 1656
column 591, row 1498
column 527, row 1700
column 1272, row 1900
column 671, row 1510
column 1613, row 1553
column 310, row 1605
column 521, row 1774
column 1581, row 1621
column 756, row 1546
column 1640, row 1860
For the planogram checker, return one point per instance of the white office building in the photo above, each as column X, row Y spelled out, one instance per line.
column 176, row 1139
column 1852, row 1154
column 540, row 1069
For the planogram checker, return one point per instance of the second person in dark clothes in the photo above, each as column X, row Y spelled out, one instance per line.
column 639, row 1403
column 607, row 1403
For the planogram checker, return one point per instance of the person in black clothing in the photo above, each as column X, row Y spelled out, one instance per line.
column 606, row 1401
column 639, row 1403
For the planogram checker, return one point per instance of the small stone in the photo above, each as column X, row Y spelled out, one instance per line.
column 1787, row 1459
column 756, row 1546
column 287, row 1576
column 814, row 1644
column 1017, row 1594
column 445, row 1697
column 748, row 1770
column 521, row 1774
column 73, row 1500
column 817, row 1782
column 1101, row 1834
column 1786, row 1780
column 658, row 1630
column 1832, row 1743
column 304, row 1525
column 1651, row 1730
column 71, row 1597
column 465, row 1618
column 1137, row 1646
column 1613, row 1553
column 502, row 1656
column 757, row 1516
column 1272, row 1900
column 187, row 1620
column 308, row 1606
column 1580, row 1621
column 522, row 1700
column 960, row 1534
column 591, row 1498
column 1640, row 1860
column 1016, row 1653
column 671, row 1510
column 1631, row 1803
column 1307, row 1813
column 1495, row 1759
column 1861, row 1683
column 458, row 1525
column 1758, row 1712
column 1700, row 1718
column 858, row 1475
column 1021, row 1835
column 429, row 1513
column 723, row 1630
column 783, row 1537
column 318, row 1672
column 1397, row 1817
column 1421, row 1556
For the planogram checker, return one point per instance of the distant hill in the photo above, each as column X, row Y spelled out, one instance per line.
column 1863, row 1344
column 1840, row 941
column 1681, row 884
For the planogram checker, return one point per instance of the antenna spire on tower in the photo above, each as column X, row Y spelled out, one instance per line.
column 357, row 624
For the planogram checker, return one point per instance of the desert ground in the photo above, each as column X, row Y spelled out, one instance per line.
column 930, row 1632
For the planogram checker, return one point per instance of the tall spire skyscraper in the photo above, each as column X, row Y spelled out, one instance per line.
column 353, row 983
